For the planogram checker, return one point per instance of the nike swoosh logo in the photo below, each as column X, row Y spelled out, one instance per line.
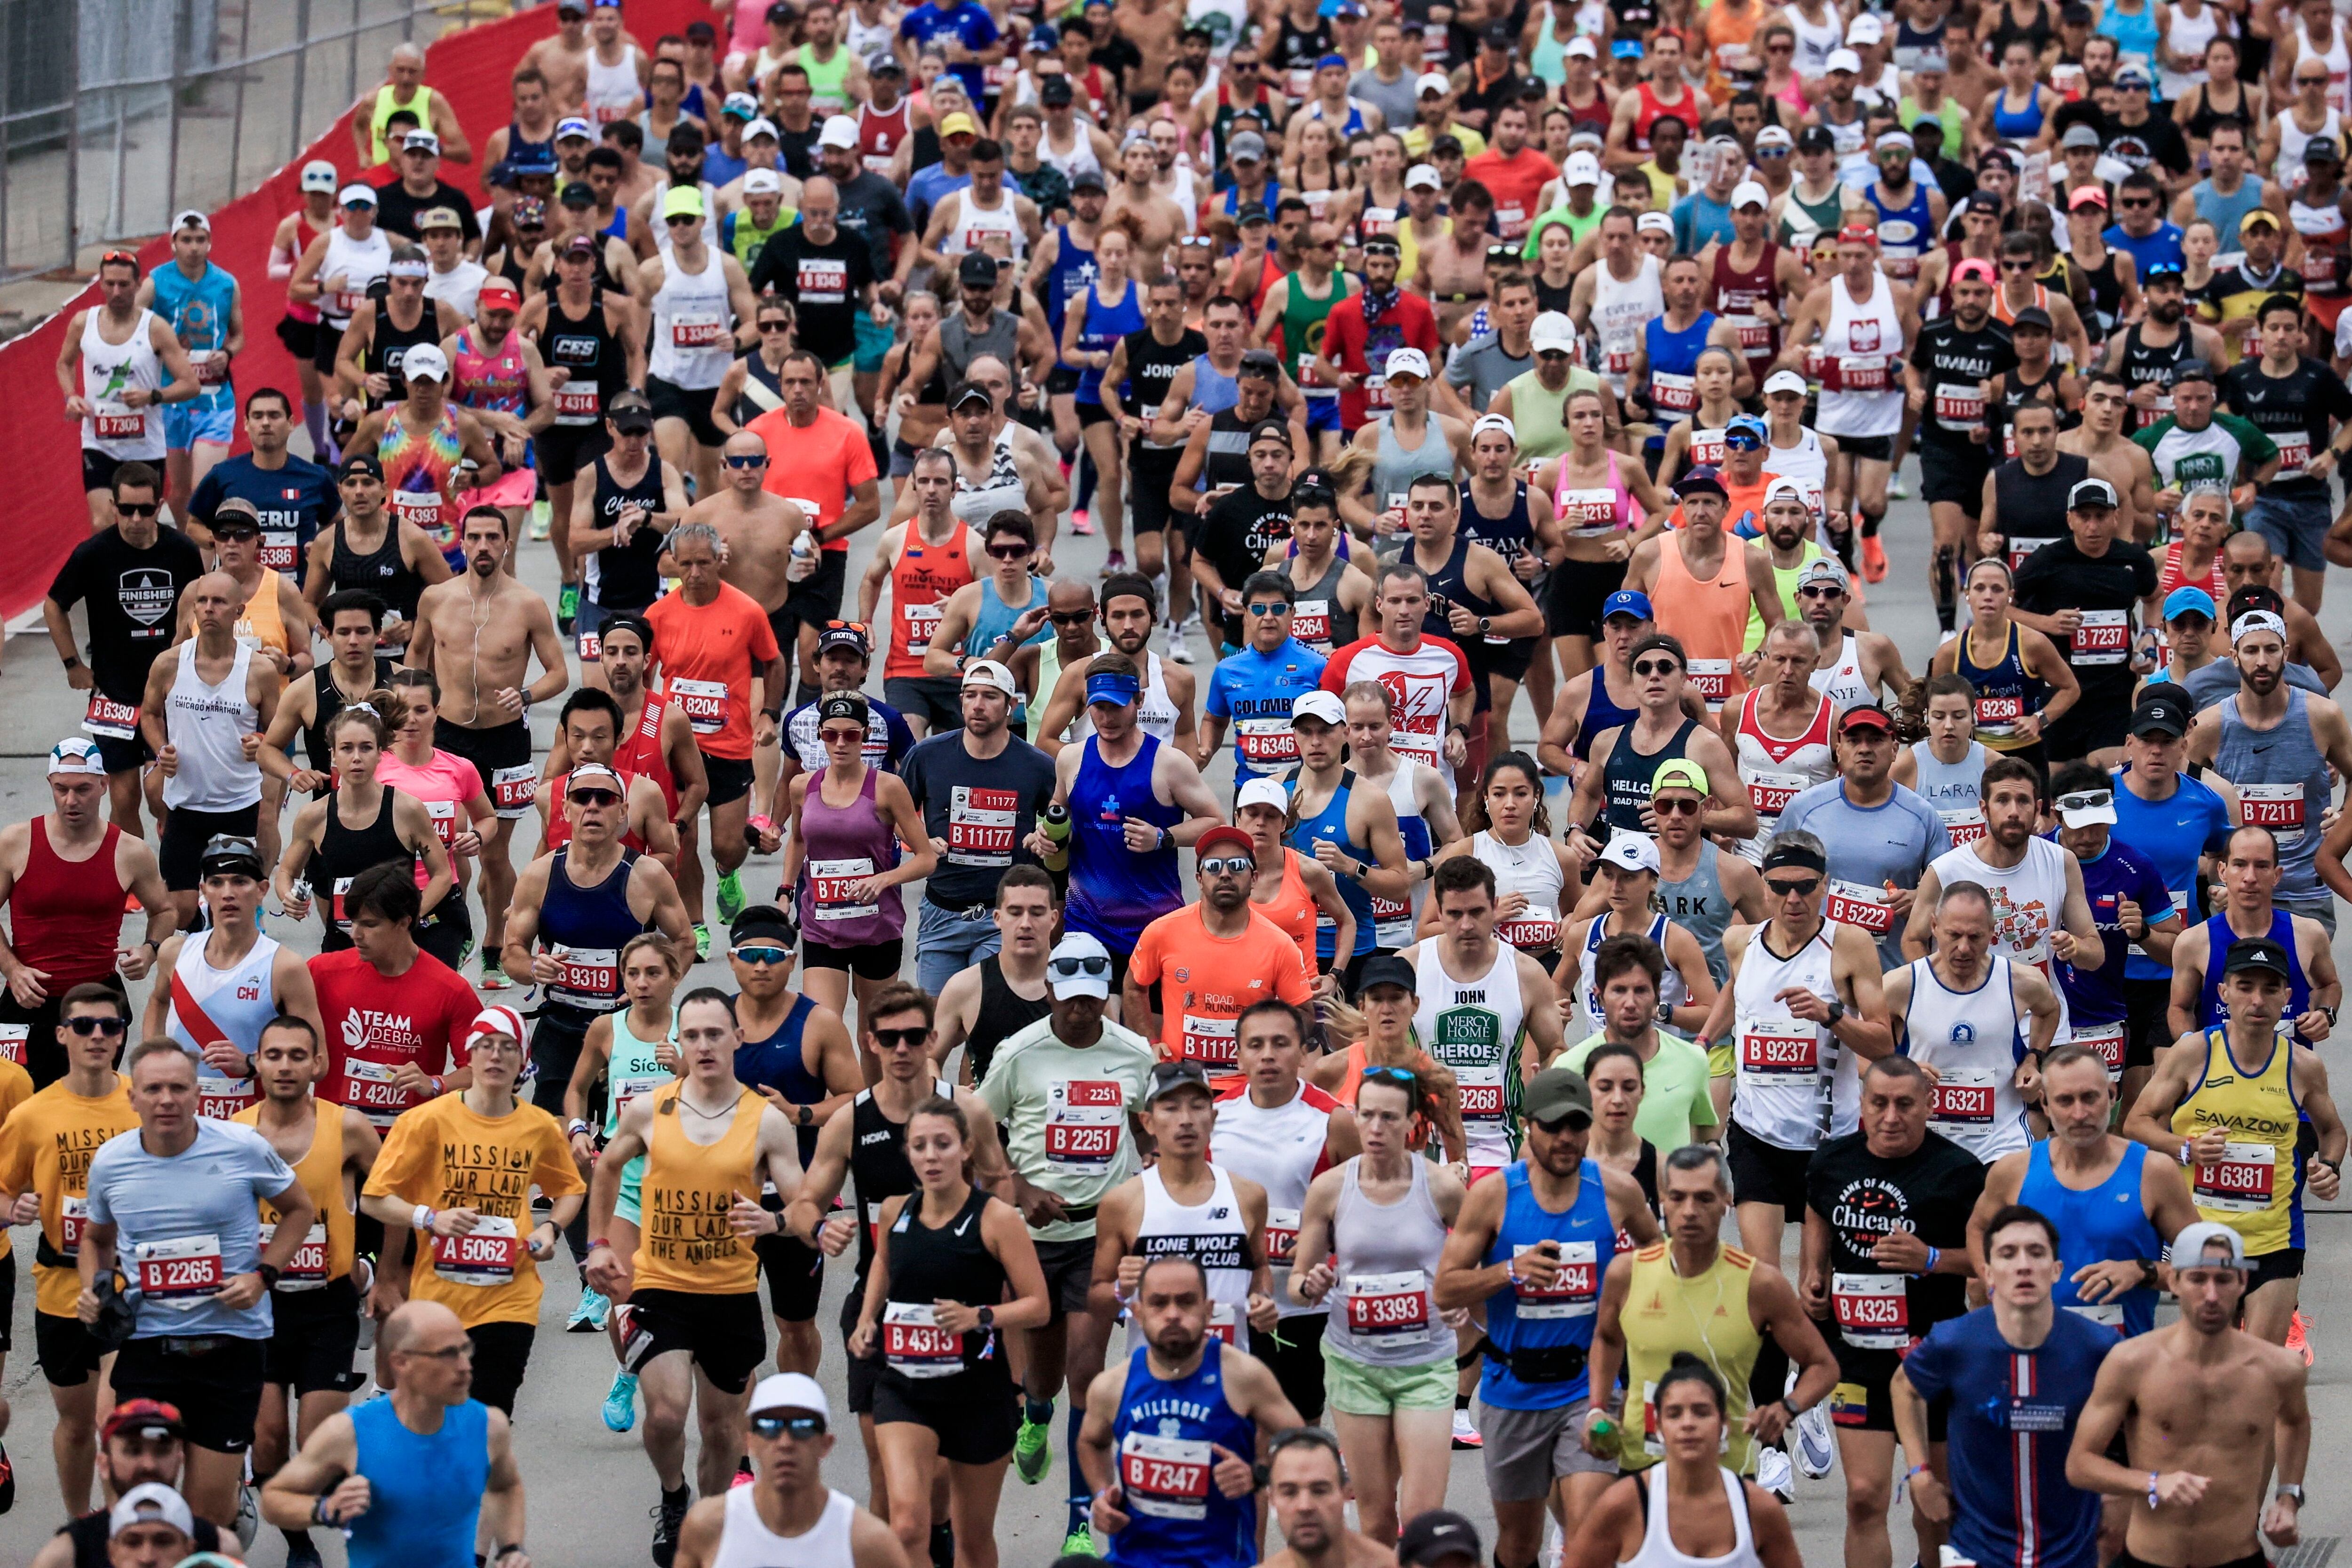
column 959, row 1227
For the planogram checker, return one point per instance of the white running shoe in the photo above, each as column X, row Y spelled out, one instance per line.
column 1466, row 1435
column 1816, row 1447
column 1773, row 1473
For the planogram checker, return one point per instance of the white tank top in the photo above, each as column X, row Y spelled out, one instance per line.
column 862, row 38
column 1843, row 683
column 975, row 223
column 1861, row 347
column 1384, row 1312
column 1393, row 919
column 1969, row 1037
column 1776, row 770
column 2339, row 62
column 1783, row 1061
column 1671, row 992
column 110, row 370
column 357, row 262
column 1155, row 711
column 1815, row 42
column 2188, row 37
column 1281, row 1150
column 1210, row 1232
column 1620, row 311
column 2027, row 901
column 745, row 1543
column 2294, row 139
column 207, row 723
column 239, row 1001
column 1532, row 869
column 694, row 324
column 1472, row 1026
column 1080, row 156
column 1657, row 1542
column 614, row 92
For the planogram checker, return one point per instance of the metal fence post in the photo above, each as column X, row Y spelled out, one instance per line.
column 236, row 118
column 301, row 74
column 73, row 135
column 354, row 52
column 183, row 22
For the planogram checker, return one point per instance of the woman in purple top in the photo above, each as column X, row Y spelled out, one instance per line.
column 856, row 837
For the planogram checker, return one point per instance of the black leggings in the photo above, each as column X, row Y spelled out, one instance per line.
column 451, row 928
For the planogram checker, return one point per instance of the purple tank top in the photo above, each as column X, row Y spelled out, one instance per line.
column 845, row 846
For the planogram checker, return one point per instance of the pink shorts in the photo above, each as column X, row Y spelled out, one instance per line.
column 516, row 486
column 1480, row 1172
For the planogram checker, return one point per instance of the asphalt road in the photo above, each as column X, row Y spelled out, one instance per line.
column 588, row 1487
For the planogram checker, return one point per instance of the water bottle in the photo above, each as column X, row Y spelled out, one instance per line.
column 1056, row 826
column 804, row 556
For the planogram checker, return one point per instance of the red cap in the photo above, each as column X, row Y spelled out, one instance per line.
column 151, row 1416
column 2087, row 196
column 1857, row 234
column 1223, row 833
column 1981, row 270
column 500, row 294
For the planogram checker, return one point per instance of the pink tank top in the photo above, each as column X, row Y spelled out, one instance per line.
column 1598, row 511
column 497, row 382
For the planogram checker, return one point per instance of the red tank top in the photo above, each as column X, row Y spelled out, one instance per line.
column 63, row 920
column 922, row 580
column 1651, row 112
column 1738, row 291
column 880, row 134
column 2172, row 577
column 1816, row 733
column 640, row 751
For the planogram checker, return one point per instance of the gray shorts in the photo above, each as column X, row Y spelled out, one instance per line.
column 2296, row 527
column 1526, row 1450
column 936, row 699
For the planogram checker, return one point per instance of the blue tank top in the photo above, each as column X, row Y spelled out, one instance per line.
column 592, row 925
column 1601, row 713
column 1114, row 891
column 522, row 149
column 1213, row 391
column 1163, row 1432
column 777, row 1063
column 1073, row 269
column 199, row 311
column 2135, row 33
column 1524, row 1318
column 426, row 1487
column 1331, row 822
column 1106, row 323
column 1676, row 354
column 2211, row 1013
column 2024, row 124
column 619, row 228
column 2104, row 1224
column 1905, row 233
column 2005, row 676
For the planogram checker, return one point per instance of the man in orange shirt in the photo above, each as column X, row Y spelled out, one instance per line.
column 819, row 460
column 1211, row 960
column 1513, row 172
column 711, row 639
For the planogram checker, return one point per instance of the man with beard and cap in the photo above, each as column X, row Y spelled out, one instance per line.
column 2234, row 296
column 2149, row 354
column 1881, row 837
column 1944, row 384
column 2298, row 401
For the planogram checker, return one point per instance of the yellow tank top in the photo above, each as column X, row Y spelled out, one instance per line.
column 684, row 1243
column 384, row 110
column 2256, row 1190
column 1706, row 1315
column 326, row 1254
column 261, row 624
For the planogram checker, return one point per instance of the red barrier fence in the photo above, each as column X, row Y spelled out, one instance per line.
column 469, row 67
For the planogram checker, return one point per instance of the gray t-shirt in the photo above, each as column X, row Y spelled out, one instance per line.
column 1396, row 100
column 1868, row 848
column 184, row 1225
column 2219, row 680
column 1482, row 368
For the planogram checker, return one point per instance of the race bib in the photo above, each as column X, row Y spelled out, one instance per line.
column 922, row 623
column 1965, row 825
column 1310, row 623
column 1998, row 715
column 1165, row 1478
column 279, row 550
column 2107, row 1039
column 1874, row 1311
column 73, row 1215
column 913, row 1344
column 2277, row 806
column 1281, row 1235
column 1532, row 930
column 183, row 1272
column 1706, row 446
column 370, row 1090
column 1266, row 743
column 1480, row 1091
column 1859, row 904
column 307, row 1270
column 2103, row 638
column 824, row 280
column 222, row 1098
column 1575, row 1293
column 423, row 508
column 2295, row 453
column 2020, row 549
column 1084, row 1120
column 980, row 825
column 1209, row 1040
column 1376, row 393
column 2243, row 1182
column 628, row 1088
column 832, row 889
column 443, row 815
column 1959, row 407
column 12, row 1042
column 1588, row 514
column 483, row 1257
column 1711, row 679
column 123, row 425
column 698, row 330
column 1392, row 923
column 1780, row 1053
column 1773, row 792
column 705, row 702
column 1390, row 1308
column 1963, row 1099
column 1755, row 334
column 1676, row 395
column 578, row 403
column 588, row 976
column 110, row 720
column 512, row 790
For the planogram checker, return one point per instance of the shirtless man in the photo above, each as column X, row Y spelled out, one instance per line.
column 563, row 59
column 2115, row 456
column 1157, row 219
column 478, row 634
column 2222, row 1408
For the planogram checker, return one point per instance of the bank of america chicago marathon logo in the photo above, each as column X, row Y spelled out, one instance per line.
column 1869, row 1206
column 146, row 594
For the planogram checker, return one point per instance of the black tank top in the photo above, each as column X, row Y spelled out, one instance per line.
column 1003, row 1012
column 585, row 346
column 746, row 407
column 330, row 703
column 877, row 1170
column 2038, row 33
column 389, row 343
column 628, row 577
column 1297, row 50
column 2107, row 292
column 2145, row 363
column 345, row 852
column 951, row 1263
column 1510, row 535
column 1151, row 367
column 383, row 570
column 2013, row 390
column 1451, row 583
column 2018, row 495
column 1627, row 776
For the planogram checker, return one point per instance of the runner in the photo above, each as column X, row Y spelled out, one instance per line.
column 1959, row 1009
column 1858, row 326
column 1003, row 992
column 315, row 1306
column 2133, row 909
column 325, row 849
column 203, row 715
column 369, row 550
column 2248, row 879
column 1620, row 791
column 981, row 619
column 819, row 461
column 396, row 1016
column 293, row 498
column 786, row 1509
column 120, row 365
column 1130, row 614
column 1628, row 882
column 1296, row 894
column 1549, row 1222
column 300, row 328
column 1420, row 794
column 1949, row 366
column 455, row 797
column 1220, row 954
column 926, row 560
column 459, row 1171
column 1350, row 829
column 701, row 309
column 175, row 1206
column 587, row 726
column 1779, row 766
column 1428, row 676
column 371, row 367
column 592, row 338
column 2020, row 683
column 693, row 1331
column 1707, row 584
column 620, row 521
column 1881, row 837
column 2085, row 587
column 1255, row 689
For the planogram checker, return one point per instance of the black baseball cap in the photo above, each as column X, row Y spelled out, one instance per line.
column 358, row 463
column 578, row 194
column 2191, row 370
column 2032, row 316
column 845, row 634
column 1816, row 139
column 2162, row 709
column 2258, row 953
column 977, row 271
column 1430, row 1538
column 963, row 391
column 1088, row 178
column 1055, row 91
column 1389, row 970
column 1260, row 363
column 1269, row 430
column 630, row 412
column 1701, row 481
column 1498, row 36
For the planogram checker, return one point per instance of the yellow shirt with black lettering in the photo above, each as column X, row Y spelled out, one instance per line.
column 2256, row 1189
column 45, row 1147
column 327, row 1255
column 684, row 1241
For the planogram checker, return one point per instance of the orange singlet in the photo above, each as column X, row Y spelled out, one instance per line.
column 1709, row 618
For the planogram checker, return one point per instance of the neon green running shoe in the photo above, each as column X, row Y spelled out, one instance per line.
column 1033, row 1455
column 730, row 895
column 701, row 941
column 1080, row 1543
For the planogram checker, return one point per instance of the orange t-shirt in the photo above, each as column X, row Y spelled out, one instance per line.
column 818, row 466
column 1514, row 181
column 707, row 655
column 1205, row 981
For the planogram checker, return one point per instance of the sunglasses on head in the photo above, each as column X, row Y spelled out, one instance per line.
column 1070, row 968
column 87, row 1026
column 1228, row 864
column 763, row 953
column 1800, row 889
column 802, row 1426
column 1677, row 805
column 747, row 459
column 1404, row 1077
column 2086, row 800
column 893, row 1039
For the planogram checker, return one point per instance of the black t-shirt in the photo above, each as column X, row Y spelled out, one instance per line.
column 872, row 210
column 984, row 810
column 132, row 595
column 2295, row 411
column 798, row 149
column 1234, row 536
column 1955, row 180
column 396, row 210
column 2158, row 140
column 1955, row 362
column 1118, row 57
column 2059, row 576
column 1930, row 1193
column 825, row 282
column 89, row 1534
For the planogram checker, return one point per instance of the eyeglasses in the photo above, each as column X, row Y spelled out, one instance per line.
column 1272, row 607
column 133, row 509
column 1228, row 864
column 1677, row 805
column 2087, row 800
column 1071, row 968
column 756, row 956
column 503, row 1043
column 2017, row 266
column 1742, row 441
column 801, row 1426
column 842, row 737
column 1574, row 1121
column 1007, row 552
column 448, row 1354
column 1070, row 617
column 747, row 459
column 87, row 1026
column 1803, row 887
column 895, row 1039
column 594, row 797
column 1657, row 667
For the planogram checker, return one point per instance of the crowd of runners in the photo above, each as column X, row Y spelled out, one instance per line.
column 1220, row 1049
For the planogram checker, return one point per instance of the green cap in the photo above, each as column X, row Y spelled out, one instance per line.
column 1679, row 773
column 1557, row 1092
column 682, row 201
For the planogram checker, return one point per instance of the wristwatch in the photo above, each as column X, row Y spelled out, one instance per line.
column 1837, row 1010
column 2290, row 1488
column 807, row 1114
column 270, row 1274
column 1484, row 622
column 987, row 1316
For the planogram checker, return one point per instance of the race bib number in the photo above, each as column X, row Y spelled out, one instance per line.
column 922, row 623
column 110, row 720
column 1773, row 792
column 1281, row 1235
column 913, row 1344
column 698, row 330
column 278, row 551
column 12, row 1042
column 705, row 702
column 1792, row 1052
column 589, row 976
column 1706, row 446
column 443, row 815
column 1860, row 372
column 223, row 1098
column 1963, row 1099
column 824, row 281
column 1165, row 1478
column 2277, row 806
column 1266, row 743
column 1859, row 904
column 1588, row 514
column 1998, row 715
column 1480, row 1091
column 980, row 825
column 423, row 509
column 1085, row 1120
column 591, row 647
column 1209, row 1040
column 1310, row 623
column 1711, row 679
column 1874, row 1311
column 125, row 425
column 578, row 403
column 2107, row 1039
column 2243, row 1182
column 1575, row 1293
column 2295, row 454
column 1676, row 395
column 307, row 1270
column 834, row 889
column 2020, row 549
column 2103, row 638
column 1392, row 923
column 183, row 1272
column 1965, row 825
column 1754, row 336
column 1532, row 930
column 1958, row 405
column 370, row 1090
column 1376, row 393
column 483, row 1257
column 73, row 1215
column 1390, row 1308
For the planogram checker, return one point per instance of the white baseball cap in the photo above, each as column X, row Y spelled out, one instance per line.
column 840, row 130
column 1323, row 705
column 989, row 672
column 1654, row 222
column 1864, row 28
column 1493, row 422
column 1747, row 193
column 762, row 183
column 1632, row 852
column 790, row 1391
column 1582, row 169
column 1262, row 791
column 319, row 174
column 1844, row 60
column 1552, row 330
column 1406, row 361
column 425, row 362
column 762, row 127
column 1424, row 174
column 1582, row 47
column 1081, row 979
column 1789, row 489
column 357, row 194
column 151, row 1503
column 76, row 754
column 1432, row 81
column 1774, row 136
column 1785, row 381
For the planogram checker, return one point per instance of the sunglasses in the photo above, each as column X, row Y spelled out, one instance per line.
column 1656, row 667
column 842, row 737
column 595, row 798
column 1228, row 864
column 1272, row 607
column 1772, row 151
column 129, row 509
column 1574, row 1121
column 1804, row 888
column 2087, row 800
column 857, row 627
column 1818, row 592
column 1071, row 617
column 1743, row 440
column 2017, row 266
column 233, row 530
column 895, row 1039
column 802, row 1426
column 776, row 326
column 1680, row 805
column 746, row 460
column 1071, row 968
column 1404, row 1077
column 1007, row 552
column 680, row 219
column 762, row 954
column 2137, row 201
column 87, row 1026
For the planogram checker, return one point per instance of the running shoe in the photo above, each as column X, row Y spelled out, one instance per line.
column 701, row 941
column 621, row 1402
column 493, row 977
column 1080, row 522
column 567, row 608
column 730, row 895
column 1114, row 562
column 2296, row 1341
column 1080, row 1543
column 1775, row 1475
column 1033, row 1452
column 1466, row 1435
column 1816, row 1447
column 1873, row 560
column 667, row 1517
column 1895, row 489
column 542, row 517
column 590, row 1316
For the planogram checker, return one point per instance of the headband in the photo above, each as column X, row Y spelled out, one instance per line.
column 1782, row 854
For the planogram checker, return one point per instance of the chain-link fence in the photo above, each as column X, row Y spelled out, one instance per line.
column 114, row 114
